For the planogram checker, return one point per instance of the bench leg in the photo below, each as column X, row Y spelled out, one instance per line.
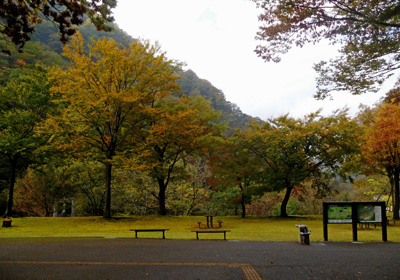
column 163, row 234
column 135, row 234
column 197, row 235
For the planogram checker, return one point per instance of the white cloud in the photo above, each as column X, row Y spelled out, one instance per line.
column 216, row 40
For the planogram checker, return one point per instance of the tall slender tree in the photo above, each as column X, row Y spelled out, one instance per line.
column 381, row 148
column 24, row 102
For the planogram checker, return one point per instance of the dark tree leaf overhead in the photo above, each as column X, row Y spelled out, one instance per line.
column 368, row 32
column 18, row 18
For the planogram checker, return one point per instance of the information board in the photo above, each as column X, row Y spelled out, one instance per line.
column 345, row 212
column 339, row 214
column 369, row 214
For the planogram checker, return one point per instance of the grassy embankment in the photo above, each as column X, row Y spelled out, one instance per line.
column 257, row 229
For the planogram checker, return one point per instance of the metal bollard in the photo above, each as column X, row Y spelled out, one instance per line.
column 304, row 234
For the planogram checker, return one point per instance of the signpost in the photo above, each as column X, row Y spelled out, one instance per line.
column 354, row 213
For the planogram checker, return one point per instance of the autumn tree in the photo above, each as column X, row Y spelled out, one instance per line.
column 87, row 177
column 393, row 96
column 381, row 147
column 367, row 31
column 175, row 130
column 295, row 151
column 190, row 192
column 19, row 18
column 39, row 191
column 24, row 102
column 103, row 95
column 234, row 165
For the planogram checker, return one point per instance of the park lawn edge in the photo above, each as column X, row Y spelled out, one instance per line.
column 248, row 229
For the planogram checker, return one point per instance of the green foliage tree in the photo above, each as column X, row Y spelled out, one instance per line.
column 3, row 184
column 368, row 32
column 104, row 95
column 19, row 18
column 24, row 102
column 34, row 53
column 176, row 129
column 189, row 191
column 90, row 32
column 295, row 151
column 236, row 166
column 87, row 179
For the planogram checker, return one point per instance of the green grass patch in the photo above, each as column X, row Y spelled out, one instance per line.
column 256, row 229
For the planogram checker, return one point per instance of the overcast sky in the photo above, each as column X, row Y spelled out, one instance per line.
column 215, row 38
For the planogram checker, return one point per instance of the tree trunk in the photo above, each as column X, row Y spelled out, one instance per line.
column 392, row 187
column 243, row 206
column 107, row 207
column 396, row 196
column 13, row 174
column 285, row 202
column 161, row 196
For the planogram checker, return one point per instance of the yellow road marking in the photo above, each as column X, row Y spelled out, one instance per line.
column 124, row 263
column 248, row 270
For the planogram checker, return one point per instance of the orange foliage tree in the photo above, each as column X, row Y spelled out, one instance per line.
column 381, row 147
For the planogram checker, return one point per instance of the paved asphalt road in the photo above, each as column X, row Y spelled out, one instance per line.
column 126, row 258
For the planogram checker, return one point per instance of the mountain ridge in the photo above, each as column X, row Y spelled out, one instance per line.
column 45, row 49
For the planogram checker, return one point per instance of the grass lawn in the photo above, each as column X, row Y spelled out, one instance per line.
column 257, row 229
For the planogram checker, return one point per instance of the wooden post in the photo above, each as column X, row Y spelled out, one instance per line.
column 354, row 220
column 325, row 220
column 384, row 222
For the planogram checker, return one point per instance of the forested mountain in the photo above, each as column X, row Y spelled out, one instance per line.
column 45, row 49
column 192, row 85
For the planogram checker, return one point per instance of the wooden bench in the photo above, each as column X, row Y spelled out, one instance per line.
column 210, row 231
column 150, row 230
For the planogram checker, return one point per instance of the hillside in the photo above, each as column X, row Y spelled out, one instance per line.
column 192, row 85
column 45, row 49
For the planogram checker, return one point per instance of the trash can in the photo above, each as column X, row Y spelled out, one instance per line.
column 7, row 222
column 304, row 234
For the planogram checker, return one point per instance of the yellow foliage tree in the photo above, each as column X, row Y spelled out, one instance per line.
column 105, row 95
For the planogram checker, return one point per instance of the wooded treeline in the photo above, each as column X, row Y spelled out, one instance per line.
column 114, row 127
